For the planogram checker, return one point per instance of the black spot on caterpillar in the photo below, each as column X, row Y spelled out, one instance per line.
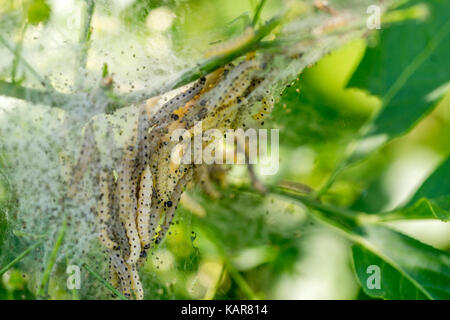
column 103, row 210
column 175, row 198
column 144, row 206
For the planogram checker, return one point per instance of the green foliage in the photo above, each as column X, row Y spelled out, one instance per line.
column 409, row 269
column 253, row 241
column 38, row 11
column 431, row 201
column 407, row 69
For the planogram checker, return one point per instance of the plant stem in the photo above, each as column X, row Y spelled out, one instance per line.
column 44, row 82
column 209, row 65
column 258, row 12
column 328, row 220
column 19, row 257
column 52, row 259
column 49, row 97
column 213, row 64
column 317, row 205
column 291, row 191
column 18, row 233
column 104, row 282
column 18, row 52
column 85, row 39
column 240, row 281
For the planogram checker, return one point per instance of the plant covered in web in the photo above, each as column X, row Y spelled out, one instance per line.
column 97, row 88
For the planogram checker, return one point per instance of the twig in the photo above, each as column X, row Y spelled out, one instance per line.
column 18, row 51
column 18, row 233
column 317, row 205
column 256, row 182
column 240, row 281
column 104, row 282
column 52, row 259
column 209, row 65
column 213, row 64
column 49, row 97
column 43, row 81
column 117, row 101
column 296, row 186
column 287, row 190
column 19, row 257
column 258, row 12
column 85, row 39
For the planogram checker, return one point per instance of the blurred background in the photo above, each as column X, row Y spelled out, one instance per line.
column 240, row 246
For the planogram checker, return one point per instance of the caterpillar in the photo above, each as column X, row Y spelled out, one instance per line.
column 267, row 104
column 136, row 284
column 103, row 210
column 226, row 93
column 144, row 207
column 127, row 196
column 165, row 113
column 123, row 273
column 113, row 275
column 175, row 198
column 234, row 84
column 88, row 153
column 237, row 86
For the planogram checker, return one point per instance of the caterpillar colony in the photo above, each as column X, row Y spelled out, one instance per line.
column 139, row 193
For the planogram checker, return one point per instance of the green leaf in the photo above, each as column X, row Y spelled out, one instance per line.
column 405, row 267
column 431, row 201
column 408, row 269
column 38, row 11
column 408, row 69
column 437, row 185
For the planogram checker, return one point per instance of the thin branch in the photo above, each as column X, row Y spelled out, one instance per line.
column 317, row 205
column 43, row 81
column 240, row 281
column 85, row 39
column 18, row 51
column 19, row 257
column 117, row 101
column 215, row 63
column 104, row 282
column 52, row 260
column 258, row 12
column 297, row 187
column 49, row 97
column 209, row 65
